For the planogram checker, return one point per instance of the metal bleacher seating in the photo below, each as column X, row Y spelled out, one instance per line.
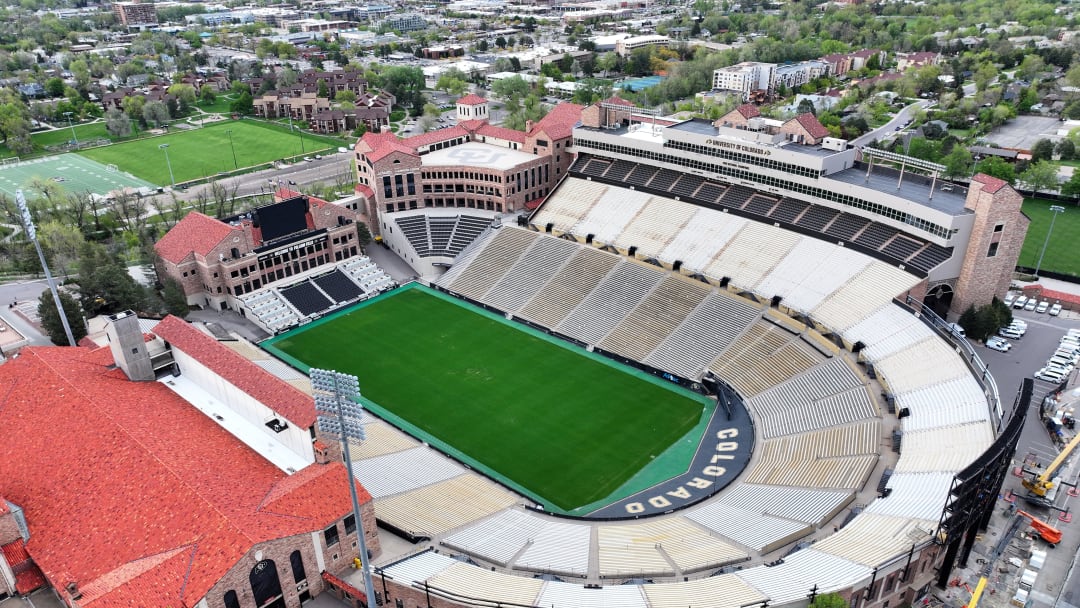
column 440, row 229
column 687, row 185
column 760, row 205
column 664, row 180
column 641, row 175
column 529, row 274
column 846, row 226
column 901, row 247
column 414, row 227
column 568, row 287
column 338, row 286
column 306, row 298
column 737, row 196
column 619, row 170
column 595, row 167
column 875, row 235
column 467, row 229
column 500, row 253
column 788, row 210
column 817, row 217
column 930, row 257
column 615, row 296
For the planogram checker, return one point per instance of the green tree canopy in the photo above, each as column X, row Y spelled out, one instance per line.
column 50, row 320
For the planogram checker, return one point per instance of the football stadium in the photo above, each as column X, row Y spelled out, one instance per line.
column 708, row 368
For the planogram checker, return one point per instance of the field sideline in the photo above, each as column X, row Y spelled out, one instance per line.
column 207, row 151
column 566, row 427
column 1060, row 252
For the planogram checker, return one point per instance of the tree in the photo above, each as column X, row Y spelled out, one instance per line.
column 105, row 287
column 997, row 167
column 117, row 123
column 1066, row 149
column 958, row 162
column 155, row 113
column 62, row 242
column 288, row 77
column 185, row 96
column 607, row 62
column 324, row 91
column 15, row 122
column 500, row 42
column 363, row 235
column 829, row 600
column 453, row 82
column 1042, row 150
column 515, row 86
column 243, row 104
column 207, row 94
column 807, row 106
column 50, row 319
column 175, row 300
column 54, row 87
column 133, row 107
column 1071, row 188
column 1040, row 175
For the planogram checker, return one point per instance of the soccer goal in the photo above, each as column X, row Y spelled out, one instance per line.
column 10, row 162
column 111, row 168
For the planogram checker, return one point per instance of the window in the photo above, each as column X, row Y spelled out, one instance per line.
column 231, row 600
column 350, row 524
column 331, row 535
column 999, row 227
column 296, row 560
column 993, row 250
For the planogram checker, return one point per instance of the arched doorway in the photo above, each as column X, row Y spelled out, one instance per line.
column 939, row 298
column 265, row 585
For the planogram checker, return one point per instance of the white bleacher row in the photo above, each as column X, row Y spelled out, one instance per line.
column 887, row 331
column 811, row 271
column 752, row 254
column 651, row 230
column 709, row 329
column 639, row 549
column 949, row 448
column 925, row 363
column 529, row 274
column 954, row 402
column 809, row 505
column 613, row 298
column 862, row 295
column 550, row 545
column 756, row 530
column 651, row 322
column 840, row 457
column 705, row 235
column 829, row 394
column 568, row 287
column 441, row 507
column 479, row 276
column 576, row 197
column 609, row 216
column 406, row 470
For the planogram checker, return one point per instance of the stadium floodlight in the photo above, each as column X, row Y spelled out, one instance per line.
column 1055, row 210
column 341, row 416
column 31, row 231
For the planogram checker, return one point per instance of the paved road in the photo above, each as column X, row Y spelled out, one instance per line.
column 327, row 169
column 26, row 292
column 889, row 128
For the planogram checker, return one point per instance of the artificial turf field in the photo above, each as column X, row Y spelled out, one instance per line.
column 566, row 427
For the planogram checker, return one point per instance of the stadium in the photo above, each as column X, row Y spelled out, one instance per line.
column 679, row 278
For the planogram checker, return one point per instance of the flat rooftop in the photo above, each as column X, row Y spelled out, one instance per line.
column 476, row 154
column 914, row 187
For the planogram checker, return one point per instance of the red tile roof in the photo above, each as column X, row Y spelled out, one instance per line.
column 344, row 586
column 436, row 136
column 239, row 371
column 198, row 508
column 618, row 101
column 196, row 233
column 812, row 125
column 748, row 110
column 472, row 99
column 501, row 133
column 365, row 190
column 990, row 184
column 559, row 122
column 15, row 552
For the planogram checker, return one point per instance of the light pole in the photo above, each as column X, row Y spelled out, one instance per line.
column 1055, row 209
column 339, row 416
column 172, row 180
column 31, row 232
column 73, row 136
column 235, row 164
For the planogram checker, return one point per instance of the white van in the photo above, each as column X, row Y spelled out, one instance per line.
column 957, row 330
column 1019, row 302
column 1051, row 375
column 1008, row 332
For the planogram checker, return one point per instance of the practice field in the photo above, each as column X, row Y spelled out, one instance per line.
column 207, row 151
column 71, row 172
column 565, row 427
column 1061, row 250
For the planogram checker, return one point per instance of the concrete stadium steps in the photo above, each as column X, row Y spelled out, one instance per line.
column 530, row 273
column 652, row 321
column 706, row 332
column 498, row 256
column 565, row 291
column 620, row 291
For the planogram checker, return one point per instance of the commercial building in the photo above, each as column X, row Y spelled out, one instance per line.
column 217, row 261
column 131, row 14
column 473, row 170
column 751, row 79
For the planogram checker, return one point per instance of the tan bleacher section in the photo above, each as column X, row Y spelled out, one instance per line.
column 654, row 227
column 652, row 321
column 381, row 438
column 441, row 507
column 871, row 538
column 568, row 287
column 576, row 198
column 838, row 457
column 862, row 295
column 498, row 256
column 762, row 357
column 471, row 582
column 752, row 254
column 635, row 550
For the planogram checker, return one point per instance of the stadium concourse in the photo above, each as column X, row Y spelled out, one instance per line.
column 820, row 427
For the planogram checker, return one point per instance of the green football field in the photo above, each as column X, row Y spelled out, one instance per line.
column 566, row 427
column 207, row 151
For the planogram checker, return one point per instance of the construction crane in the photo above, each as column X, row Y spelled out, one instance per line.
column 1050, row 534
column 1042, row 487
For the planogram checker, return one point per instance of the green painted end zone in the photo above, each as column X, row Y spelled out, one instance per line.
column 570, row 429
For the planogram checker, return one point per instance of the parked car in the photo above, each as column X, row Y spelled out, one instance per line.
column 1049, row 375
column 1042, row 307
column 1009, row 297
column 1020, row 323
column 999, row 344
column 1008, row 332
column 957, row 330
column 1031, row 304
column 1055, row 310
column 1019, row 302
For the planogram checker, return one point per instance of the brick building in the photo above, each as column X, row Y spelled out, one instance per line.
column 217, row 260
column 804, row 128
column 212, row 521
column 994, row 246
column 132, row 14
column 473, row 169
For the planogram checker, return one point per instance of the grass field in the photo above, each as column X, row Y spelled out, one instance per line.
column 1060, row 252
column 568, row 427
column 205, row 152
column 71, row 172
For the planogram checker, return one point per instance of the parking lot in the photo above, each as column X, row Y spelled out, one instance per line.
column 1023, row 131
